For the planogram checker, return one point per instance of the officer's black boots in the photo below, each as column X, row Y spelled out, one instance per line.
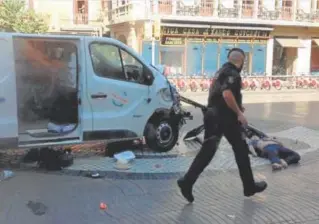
column 186, row 189
column 259, row 187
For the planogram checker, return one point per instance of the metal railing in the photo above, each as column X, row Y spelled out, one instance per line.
column 81, row 18
column 206, row 9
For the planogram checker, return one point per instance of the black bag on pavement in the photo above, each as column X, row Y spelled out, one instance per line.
column 49, row 158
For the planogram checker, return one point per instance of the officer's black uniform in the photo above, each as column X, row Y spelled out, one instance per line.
column 220, row 120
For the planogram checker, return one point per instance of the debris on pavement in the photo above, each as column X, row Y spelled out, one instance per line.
column 6, row 174
column 123, row 160
column 231, row 216
column 94, row 175
column 103, row 206
column 122, row 164
column 126, row 155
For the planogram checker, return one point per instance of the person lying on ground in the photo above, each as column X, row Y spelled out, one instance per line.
column 270, row 148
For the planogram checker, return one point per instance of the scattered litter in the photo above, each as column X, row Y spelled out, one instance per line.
column 122, row 164
column 6, row 174
column 94, row 175
column 231, row 216
column 103, row 206
column 126, row 155
column 123, row 159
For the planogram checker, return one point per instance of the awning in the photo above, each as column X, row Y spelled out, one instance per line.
column 289, row 42
column 316, row 41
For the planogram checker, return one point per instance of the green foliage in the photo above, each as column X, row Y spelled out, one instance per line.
column 14, row 17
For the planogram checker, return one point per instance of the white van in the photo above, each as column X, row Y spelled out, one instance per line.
column 72, row 89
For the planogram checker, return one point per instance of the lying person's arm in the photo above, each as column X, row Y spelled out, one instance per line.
column 273, row 139
column 251, row 148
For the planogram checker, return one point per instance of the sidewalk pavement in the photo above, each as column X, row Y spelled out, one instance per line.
column 261, row 97
column 37, row 198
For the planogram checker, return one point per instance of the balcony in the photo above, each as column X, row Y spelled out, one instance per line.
column 228, row 12
column 165, row 7
column 81, row 19
column 129, row 12
column 206, row 10
column 247, row 9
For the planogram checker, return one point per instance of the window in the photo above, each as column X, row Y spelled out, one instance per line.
column 111, row 62
column 133, row 69
column 287, row 3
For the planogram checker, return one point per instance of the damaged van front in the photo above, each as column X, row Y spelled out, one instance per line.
column 162, row 130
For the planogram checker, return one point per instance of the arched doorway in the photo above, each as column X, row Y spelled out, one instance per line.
column 122, row 38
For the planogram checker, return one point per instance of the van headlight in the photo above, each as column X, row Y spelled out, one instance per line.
column 166, row 95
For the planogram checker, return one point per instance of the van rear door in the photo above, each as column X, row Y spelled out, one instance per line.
column 48, row 89
column 8, row 98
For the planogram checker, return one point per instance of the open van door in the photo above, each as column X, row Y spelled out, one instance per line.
column 8, row 98
column 48, row 93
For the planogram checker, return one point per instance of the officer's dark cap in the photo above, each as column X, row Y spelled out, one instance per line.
column 236, row 49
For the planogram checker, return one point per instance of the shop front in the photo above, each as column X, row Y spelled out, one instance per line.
column 203, row 49
column 314, row 64
column 295, row 51
column 285, row 55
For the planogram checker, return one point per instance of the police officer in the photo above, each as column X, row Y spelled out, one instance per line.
column 224, row 116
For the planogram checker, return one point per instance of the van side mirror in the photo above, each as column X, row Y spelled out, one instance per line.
column 149, row 78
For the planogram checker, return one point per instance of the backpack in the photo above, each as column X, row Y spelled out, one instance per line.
column 49, row 158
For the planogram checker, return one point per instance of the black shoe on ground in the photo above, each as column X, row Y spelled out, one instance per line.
column 186, row 189
column 259, row 187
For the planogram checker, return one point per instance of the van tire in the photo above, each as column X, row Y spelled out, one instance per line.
column 161, row 135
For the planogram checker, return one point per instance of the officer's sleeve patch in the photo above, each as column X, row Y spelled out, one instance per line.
column 230, row 80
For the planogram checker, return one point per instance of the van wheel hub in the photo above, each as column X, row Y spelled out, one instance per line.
column 164, row 133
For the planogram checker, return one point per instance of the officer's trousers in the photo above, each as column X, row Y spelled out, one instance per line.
column 217, row 126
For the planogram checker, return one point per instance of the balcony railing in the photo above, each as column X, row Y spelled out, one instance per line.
column 141, row 10
column 247, row 10
column 287, row 13
column 228, row 12
column 81, row 19
column 165, row 7
column 206, row 8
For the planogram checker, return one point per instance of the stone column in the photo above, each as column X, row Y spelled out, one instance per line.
column 313, row 5
column 215, row 8
column 294, row 9
column 174, row 7
column 256, row 9
column 304, row 57
column 154, row 7
column 240, row 8
column 269, row 56
column 132, row 38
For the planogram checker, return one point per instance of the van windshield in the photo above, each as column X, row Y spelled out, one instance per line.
column 160, row 70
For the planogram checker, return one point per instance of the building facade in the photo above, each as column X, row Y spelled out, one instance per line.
column 194, row 36
column 79, row 17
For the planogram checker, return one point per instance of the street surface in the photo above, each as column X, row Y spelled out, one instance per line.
column 147, row 193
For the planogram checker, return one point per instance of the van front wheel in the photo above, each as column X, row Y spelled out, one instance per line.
column 161, row 136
